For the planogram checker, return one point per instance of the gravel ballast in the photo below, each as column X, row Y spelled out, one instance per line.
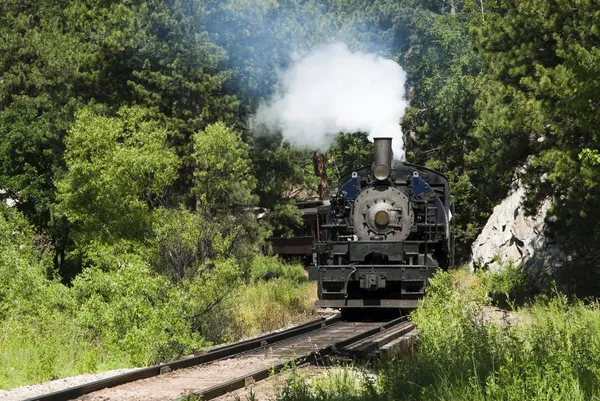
column 22, row 393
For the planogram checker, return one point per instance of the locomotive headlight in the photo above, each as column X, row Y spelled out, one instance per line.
column 381, row 172
column 382, row 218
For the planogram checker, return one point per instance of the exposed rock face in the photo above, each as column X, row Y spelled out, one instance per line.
column 510, row 236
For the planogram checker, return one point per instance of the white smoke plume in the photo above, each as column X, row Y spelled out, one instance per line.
column 332, row 90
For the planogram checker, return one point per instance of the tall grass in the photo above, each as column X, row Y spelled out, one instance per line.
column 286, row 298
column 131, row 317
column 550, row 352
column 121, row 312
column 106, row 320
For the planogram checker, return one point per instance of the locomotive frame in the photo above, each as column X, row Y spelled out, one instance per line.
column 388, row 230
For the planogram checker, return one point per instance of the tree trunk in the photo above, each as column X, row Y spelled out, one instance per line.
column 319, row 164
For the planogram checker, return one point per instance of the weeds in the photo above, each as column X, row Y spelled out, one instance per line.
column 265, row 305
column 509, row 287
column 127, row 315
column 338, row 384
column 267, row 268
column 551, row 352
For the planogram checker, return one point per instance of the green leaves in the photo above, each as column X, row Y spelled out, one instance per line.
column 118, row 170
column 590, row 157
column 59, row 57
column 135, row 314
column 224, row 186
column 222, row 173
column 349, row 153
column 543, row 59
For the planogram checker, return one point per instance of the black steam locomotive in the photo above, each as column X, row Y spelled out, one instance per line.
column 388, row 230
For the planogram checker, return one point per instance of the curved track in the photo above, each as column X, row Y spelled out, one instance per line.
column 231, row 367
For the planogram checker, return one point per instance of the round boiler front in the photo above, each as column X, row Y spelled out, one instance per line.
column 382, row 212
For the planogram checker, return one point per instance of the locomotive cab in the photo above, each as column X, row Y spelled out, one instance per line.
column 387, row 232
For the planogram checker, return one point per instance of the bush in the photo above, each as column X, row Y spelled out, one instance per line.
column 119, row 312
column 455, row 346
column 271, row 305
column 36, row 310
column 338, row 384
column 24, row 271
column 278, row 295
column 133, row 314
column 116, row 316
column 510, row 286
column 107, row 320
column 550, row 352
column 266, row 267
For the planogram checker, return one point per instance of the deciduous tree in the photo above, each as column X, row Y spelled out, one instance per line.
column 118, row 170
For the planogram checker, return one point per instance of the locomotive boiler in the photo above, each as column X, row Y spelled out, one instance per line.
column 388, row 230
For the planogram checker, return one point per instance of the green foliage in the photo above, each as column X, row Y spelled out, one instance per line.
column 126, row 316
column 31, row 307
column 510, row 286
column 442, row 65
column 266, row 266
column 224, row 186
column 453, row 340
column 57, row 57
column 539, row 95
column 180, row 242
column 337, row 384
column 118, row 169
column 549, row 352
column 187, row 246
column 222, row 172
column 107, row 320
column 278, row 295
column 267, row 306
column 349, row 153
column 120, row 313
column 590, row 157
column 281, row 172
column 24, row 271
column 206, row 294
column 42, row 65
column 137, row 316
column 26, row 173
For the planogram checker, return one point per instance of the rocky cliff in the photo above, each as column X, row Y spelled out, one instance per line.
column 512, row 237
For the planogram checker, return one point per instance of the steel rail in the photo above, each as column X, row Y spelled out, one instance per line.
column 364, row 348
column 240, row 382
column 220, row 352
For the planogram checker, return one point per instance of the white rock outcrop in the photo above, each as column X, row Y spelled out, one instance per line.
column 512, row 237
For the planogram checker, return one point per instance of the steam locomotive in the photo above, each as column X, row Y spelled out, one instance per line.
column 388, row 230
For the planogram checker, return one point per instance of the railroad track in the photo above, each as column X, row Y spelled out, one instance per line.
column 227, row 368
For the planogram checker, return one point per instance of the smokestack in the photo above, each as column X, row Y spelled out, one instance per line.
column 383, row 158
